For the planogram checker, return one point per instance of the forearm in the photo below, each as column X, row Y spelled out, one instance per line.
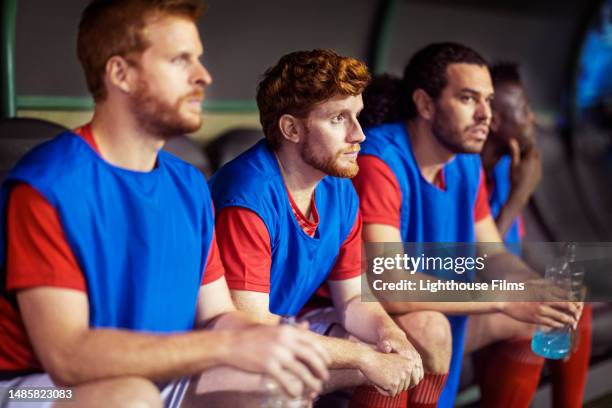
column 367, row 320
column 506, row 265
column 234, row 320
column 508, row 213
column 449, row 308
column 346, row 354
column 105, row 353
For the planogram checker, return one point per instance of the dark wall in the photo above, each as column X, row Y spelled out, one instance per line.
column 541, row 41
column 45, row 55
column 243, row 37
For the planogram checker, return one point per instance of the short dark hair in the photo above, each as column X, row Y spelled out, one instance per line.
column 505, row 72
column 426, row 70
column 381, row 101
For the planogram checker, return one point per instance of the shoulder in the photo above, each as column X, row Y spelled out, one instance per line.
column 53, row 163
column 64, row 150
column 253, row 173
column 470, row 164
column 385, row 140
column 184, row 172
column 253, row 181
column 387, row 130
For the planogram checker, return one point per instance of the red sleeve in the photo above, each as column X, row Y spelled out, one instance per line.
column 37, row 251
column 214, row 267
column 481, row 206
column 244, row 245
column 379, row 193
column 348, row 264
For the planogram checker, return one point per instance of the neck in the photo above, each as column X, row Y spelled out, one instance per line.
column 299, row 177
column 491, row 153
column 431, row 155
column 122, row 141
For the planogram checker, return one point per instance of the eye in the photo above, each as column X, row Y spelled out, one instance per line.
column 466, row 98
column 337, row 119
column 180, row 60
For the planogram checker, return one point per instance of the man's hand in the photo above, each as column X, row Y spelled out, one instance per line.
column 284, row 353
column 552, row 314
column 394, row 340
column 390, row 373
column 525, row 171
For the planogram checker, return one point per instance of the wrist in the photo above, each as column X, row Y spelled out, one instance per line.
column 367, row 357
column 388, row 333
column 226, row 346
column 500, row 307
column 518, row 198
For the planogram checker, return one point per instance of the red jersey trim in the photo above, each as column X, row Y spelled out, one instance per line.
column 244, row 244
column 382, row 205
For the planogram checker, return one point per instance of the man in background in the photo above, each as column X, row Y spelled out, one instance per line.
column 512, row 164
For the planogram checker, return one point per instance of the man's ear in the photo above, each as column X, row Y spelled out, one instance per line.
column 119, row 74
column 424, row 104
column 291, row 128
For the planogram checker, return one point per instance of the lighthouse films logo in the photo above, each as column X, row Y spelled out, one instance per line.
column 487, row 272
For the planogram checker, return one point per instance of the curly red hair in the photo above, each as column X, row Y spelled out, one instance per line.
column 302, row 79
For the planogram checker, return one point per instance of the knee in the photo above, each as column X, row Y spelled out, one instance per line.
column 136, row 392
column 523, row 331
column 430, row 333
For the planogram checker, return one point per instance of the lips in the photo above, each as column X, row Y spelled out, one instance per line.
column 195, row 96
column 479, row 133
column 194, row 100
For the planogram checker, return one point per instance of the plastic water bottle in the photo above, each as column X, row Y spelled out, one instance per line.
column 568, row 276
column 273, row 395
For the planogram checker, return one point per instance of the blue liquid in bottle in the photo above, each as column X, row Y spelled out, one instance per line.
column 554, row 344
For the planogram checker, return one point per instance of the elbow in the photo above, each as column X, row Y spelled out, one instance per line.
column 394, row 308
column 62, row 369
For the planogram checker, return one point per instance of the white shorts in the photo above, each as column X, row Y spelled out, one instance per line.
column 321, row 320
column 172, row 392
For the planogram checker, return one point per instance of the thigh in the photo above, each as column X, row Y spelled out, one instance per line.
column 224, row 387
column 23, row 383
column 426, row 329
column 116, row 392
column 323, row 321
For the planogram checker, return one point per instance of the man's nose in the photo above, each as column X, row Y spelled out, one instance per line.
column 202, row 76
column 483, row 112
column 356, row 135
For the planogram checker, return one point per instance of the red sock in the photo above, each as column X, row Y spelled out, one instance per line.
column 427, row 393
column 366, row 396
column 508, row 373
column 569, row 377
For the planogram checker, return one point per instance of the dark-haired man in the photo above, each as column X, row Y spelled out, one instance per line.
column 421, row 181
column 512, row 164
column 110, row 251
column 289, row 219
